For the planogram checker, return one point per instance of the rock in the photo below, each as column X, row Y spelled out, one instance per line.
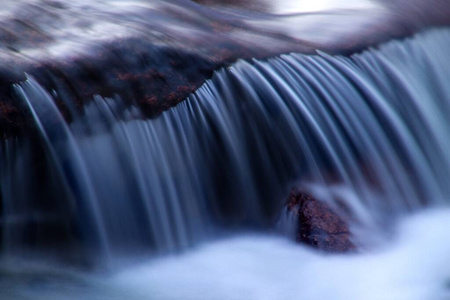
column 318, row 225
column 153, row 54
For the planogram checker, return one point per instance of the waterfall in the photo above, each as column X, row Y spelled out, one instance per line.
column 367, row 133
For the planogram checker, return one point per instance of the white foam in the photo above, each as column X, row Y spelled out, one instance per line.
column 413, row 266
column 297, row 6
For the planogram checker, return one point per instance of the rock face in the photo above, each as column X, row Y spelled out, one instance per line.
column 151, row 54
column 154, row 53
column 318, row 225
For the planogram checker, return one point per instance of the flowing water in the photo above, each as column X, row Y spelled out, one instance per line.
column 368, row 134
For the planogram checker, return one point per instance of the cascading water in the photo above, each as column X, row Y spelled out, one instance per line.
column 366, row 133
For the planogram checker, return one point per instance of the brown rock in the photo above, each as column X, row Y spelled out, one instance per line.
column 318, row 225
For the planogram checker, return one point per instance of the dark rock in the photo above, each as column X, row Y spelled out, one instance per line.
column 318, row 225
column 155, row 54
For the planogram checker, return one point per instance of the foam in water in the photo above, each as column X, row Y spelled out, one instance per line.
column 291, row 6
column 413, row 265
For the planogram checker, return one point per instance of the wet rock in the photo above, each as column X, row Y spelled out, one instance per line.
column 318, row 225
column 153, row 54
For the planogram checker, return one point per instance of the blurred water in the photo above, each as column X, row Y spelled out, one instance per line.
column 265, row 267
column 293, row 6
column 368, row 134
column 413, row 265
column 228, row 155
column 38, row 30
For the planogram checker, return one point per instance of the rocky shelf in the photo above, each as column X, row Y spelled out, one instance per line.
column 153, row 54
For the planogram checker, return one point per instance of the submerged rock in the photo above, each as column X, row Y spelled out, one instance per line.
column 317, row 225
